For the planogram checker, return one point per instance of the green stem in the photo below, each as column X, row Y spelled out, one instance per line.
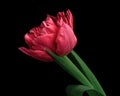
column 73, row 70
column 86, row 71
column 68, row 66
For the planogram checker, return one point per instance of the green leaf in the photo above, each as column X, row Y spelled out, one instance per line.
column 86, row 71
column 69, row 67
column 79, row 90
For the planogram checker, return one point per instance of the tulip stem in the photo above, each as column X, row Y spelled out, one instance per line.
column 68, row 66
column 86, row 71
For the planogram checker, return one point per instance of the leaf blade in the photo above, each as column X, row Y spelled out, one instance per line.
column 79, row 90
column 86, row 71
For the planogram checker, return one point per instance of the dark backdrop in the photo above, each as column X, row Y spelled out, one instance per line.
column 92, row 26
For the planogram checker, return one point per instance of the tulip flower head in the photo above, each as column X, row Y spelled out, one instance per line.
column 54, row 33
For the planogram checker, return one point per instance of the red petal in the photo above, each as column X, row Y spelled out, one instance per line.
column 62, row 15
column 49, row 25
column 36, row 54
column 69, row 18
column 43, row 42
column 28, row 39
column 66, row 40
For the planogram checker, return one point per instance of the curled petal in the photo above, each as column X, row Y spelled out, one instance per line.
column 37, row 31
column 36, row 54
column 62, row 15
column 53, row 18
column 49, row 20
column 28, row 39
column 49, row 25
column 59, row 22
column 69, row 18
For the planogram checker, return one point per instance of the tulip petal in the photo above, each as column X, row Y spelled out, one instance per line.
column 43, row 42
column 28, row 39
column 53, row 18
column 49, row 25
column 66, row 40
column 69, row 18
column 62, row 15
column 36, row 54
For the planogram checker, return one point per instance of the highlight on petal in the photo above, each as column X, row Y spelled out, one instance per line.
column 28, row 39
column 36, row 54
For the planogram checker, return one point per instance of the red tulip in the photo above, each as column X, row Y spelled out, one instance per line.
column 55, row 34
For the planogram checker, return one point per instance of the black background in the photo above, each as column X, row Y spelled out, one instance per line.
column 93, row 26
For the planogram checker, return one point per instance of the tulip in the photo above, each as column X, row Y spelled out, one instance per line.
column 54, row 33
column 54, row 39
